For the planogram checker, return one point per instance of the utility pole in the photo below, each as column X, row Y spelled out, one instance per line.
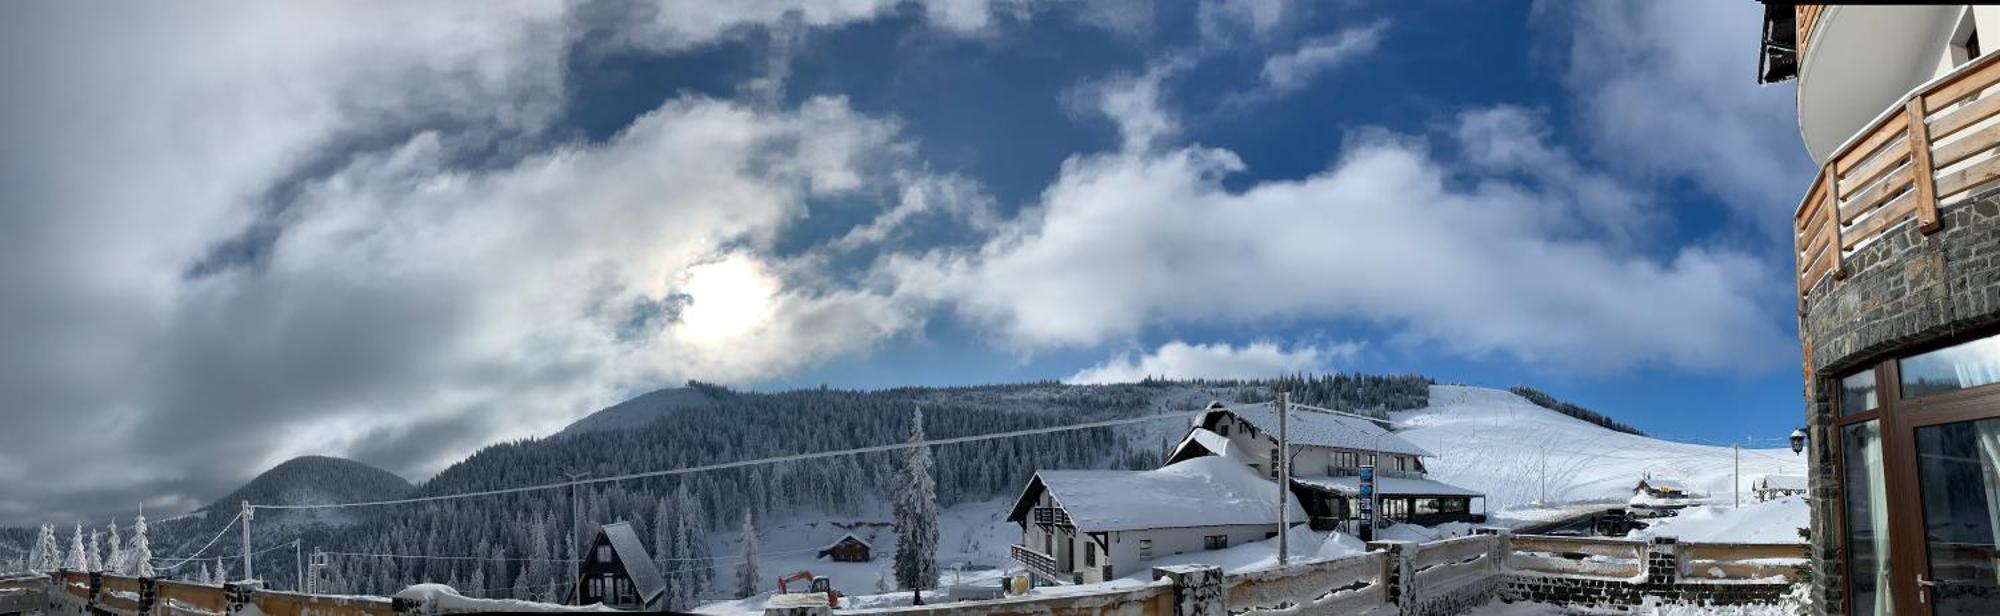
column 248, row 513
column 299, row 557
column 1737, row 449
column 1542, row 479
column 1284, row 469
column 575, row 523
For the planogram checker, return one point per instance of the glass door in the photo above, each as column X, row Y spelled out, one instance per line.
column 1958, row 476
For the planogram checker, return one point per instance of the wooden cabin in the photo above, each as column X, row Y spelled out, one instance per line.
column 849, row 549
column 616, row 571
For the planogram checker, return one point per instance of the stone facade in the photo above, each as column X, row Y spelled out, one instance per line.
column 1661, row 582
column 1902, row 290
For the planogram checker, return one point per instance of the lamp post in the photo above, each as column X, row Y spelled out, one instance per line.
column 1799, row 441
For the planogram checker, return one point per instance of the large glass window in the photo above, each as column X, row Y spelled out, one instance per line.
column 1857, row 392
column 1867, row 518
column 1958, row 467
column 1964, row 366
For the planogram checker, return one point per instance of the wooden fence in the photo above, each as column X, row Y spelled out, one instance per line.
column 1934, row 146
column 1392, row 577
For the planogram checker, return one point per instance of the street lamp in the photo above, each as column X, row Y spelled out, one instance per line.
column 1799, row 441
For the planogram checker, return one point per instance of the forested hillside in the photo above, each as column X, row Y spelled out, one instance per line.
column 513, row 544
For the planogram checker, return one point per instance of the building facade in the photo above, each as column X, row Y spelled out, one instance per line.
column 1898, row 272
column 617, row 572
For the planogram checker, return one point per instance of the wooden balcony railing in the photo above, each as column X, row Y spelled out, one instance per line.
column 1037, row 561
column 1805, row 17
column 1052, row 515
column 1933, row 146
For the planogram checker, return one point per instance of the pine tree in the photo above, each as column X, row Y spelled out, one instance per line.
column 207, row 576
column 478, row 582
column 93, row 559
column 521, row 589
column 75, row 560
column 140, row 557
column 916, row 516
column 540, row 573
column 746, row 566
column 114, row 560
column 45, row 556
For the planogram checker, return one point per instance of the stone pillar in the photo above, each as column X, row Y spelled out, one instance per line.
column 1198, row 589
column 241, row 596
column 96, row 588
column 1399, row 577
column 1663, row 561
column 149, row 593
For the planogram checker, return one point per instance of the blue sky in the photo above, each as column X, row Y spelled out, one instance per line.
column 398, row 233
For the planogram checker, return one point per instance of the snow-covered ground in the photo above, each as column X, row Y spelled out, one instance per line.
column 1514, row 451
column 1775, row 521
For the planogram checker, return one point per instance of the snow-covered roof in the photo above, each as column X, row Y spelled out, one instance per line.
column 1397, row 486
column 1782, row 482
column 1205, row 491
column 864, row 542
column 1201, row 442
column 1662, row 484
column 638, row 564
column 1324, row 430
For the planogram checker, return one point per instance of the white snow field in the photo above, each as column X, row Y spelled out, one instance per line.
column 1774, row 521
column 1514, row 451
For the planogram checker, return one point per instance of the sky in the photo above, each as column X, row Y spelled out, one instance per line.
column 235, row 233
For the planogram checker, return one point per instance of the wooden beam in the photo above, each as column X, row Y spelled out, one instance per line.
column 1920, row 167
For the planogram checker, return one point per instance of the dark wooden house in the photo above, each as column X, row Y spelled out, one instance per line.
column 849, row 549
column 617, row 572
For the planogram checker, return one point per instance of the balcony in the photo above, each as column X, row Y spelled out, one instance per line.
column 1037, row 562
column 1052, row 516
column 1934, row 146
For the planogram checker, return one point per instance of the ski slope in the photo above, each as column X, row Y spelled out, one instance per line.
column 1512, row 450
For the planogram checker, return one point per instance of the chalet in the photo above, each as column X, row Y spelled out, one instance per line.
column 1774, row 486
column 617, row 572
column 848, row 549
column 1092, row 526
column 1328, row 452
column 1659, row 497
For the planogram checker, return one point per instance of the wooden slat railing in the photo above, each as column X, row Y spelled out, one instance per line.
column 1900, row 167
column 1805, row 16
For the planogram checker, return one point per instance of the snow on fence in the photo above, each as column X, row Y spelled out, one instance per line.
column 1352, row 585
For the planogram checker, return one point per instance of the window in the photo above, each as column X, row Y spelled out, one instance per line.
column 604, row 553
column 1965, row 40
column 1090, row 554
column 597, row 587
column 1867, row 517
column 1274, row 463
column 1145, row 549
column 1962, row 366
column 1222, row 429
column 1857, row 392
column 1214, row 542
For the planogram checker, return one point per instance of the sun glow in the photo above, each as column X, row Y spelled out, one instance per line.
column 730, row 299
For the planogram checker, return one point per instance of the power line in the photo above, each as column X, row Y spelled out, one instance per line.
column 424, row 557
column 756, row 462
column 210, row 544
column 274, row 548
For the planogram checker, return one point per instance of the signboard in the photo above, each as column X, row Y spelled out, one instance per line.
column 1367, row 502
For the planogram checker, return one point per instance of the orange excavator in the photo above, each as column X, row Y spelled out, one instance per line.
column 815, row 585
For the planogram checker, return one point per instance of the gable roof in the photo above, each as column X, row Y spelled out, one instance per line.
column 1661, row 484
column 1320, row 429
column 1781, row 482
column 638, row 564
column 1205, row 491
column 843, row 538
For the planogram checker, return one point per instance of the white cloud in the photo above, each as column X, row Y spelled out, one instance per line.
column 1295, row 69
column 1180, row 360
column 1668, row 90
column 1135, row 103
column 1464, row 261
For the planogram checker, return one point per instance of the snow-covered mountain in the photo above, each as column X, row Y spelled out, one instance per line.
column 1515, row 451
column 649, row 407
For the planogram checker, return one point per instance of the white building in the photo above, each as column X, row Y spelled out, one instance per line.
column 1328, row 452
column 1092, row 526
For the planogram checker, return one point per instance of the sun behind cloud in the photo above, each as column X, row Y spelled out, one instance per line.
column 728, row 299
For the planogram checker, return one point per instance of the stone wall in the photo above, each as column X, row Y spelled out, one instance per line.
column 1903, row 290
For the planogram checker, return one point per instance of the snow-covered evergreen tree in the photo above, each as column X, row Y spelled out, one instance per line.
column 75, row 560
column 478, row 583
column 541, row 575
column 114, row 559
column 139, row 558
column 521, row 586
column 916, row 515
column 93, row 559
column 207, row 576
column 746, row 565
column 45, row 557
